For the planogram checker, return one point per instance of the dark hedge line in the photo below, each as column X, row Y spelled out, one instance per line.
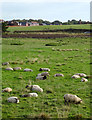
column 59, row 30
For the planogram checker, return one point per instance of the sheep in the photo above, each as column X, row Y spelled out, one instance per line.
column 72, row 98
column 5, row 63
column 44, row 74
column 9, row 68
column 84, row 80
column 27, row 69
column 58, row 74
column 30, row 95
column 35, row 88
column 81, row 74
column 13, row 100
column 7, row 89
column 17, row 68
column 44, row 69
column 75, row 76
column 41, row 77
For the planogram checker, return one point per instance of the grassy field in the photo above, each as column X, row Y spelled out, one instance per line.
column 49, row 27
column 49, row 105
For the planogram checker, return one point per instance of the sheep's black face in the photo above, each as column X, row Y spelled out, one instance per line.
column 26, row 86
column 44, row 77
column 40, row 69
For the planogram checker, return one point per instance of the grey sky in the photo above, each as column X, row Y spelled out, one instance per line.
column 51, row 11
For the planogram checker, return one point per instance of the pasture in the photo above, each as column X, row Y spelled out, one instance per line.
column 48, row 27
column 35, row 53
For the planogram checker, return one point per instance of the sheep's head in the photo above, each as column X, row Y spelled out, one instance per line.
column 27, row 86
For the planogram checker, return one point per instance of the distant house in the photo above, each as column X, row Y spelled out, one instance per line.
column 28, row 24
column 34, row 24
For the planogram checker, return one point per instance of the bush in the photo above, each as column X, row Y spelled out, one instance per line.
column 4, row 27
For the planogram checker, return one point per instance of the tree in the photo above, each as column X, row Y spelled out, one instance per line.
column 56, row 22
column 4, row 27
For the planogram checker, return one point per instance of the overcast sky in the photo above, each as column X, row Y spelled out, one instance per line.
column 51, row 10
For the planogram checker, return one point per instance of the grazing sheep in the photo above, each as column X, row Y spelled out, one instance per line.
column 27, row 69
column 44, row 74
column 9, row 68
column 17, row 68
column 7, row 89
column 81, row 74
column 58, row 74
column 30, row 95
column 44, row 69
column 13, row 100
column 5, row 63
column 41, row 77
column 72, row 98
column 84, row 80
column 75, row 76
column 35, row 88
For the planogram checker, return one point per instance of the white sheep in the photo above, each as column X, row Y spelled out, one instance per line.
column 41, row 77
column 17, row 68
column 7, row 89
column 58, row 74
column 9, row 68
column 72, row 98
column 30, row 95
column 84, row 80
column 75, row 76
column 44, row 69
column 27, row 69
column 13, row 100
column 44, row 74
column 35, row 88
column 81, row 74
column 5, row 63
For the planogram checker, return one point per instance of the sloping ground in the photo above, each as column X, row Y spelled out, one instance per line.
column 59, row 30
column 46, row 36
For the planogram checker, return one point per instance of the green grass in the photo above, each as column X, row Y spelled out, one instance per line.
column 51, row 104
column 49, row 27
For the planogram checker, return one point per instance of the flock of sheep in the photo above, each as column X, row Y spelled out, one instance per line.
column 36, row 88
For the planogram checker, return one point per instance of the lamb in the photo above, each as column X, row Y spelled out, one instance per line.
column 84, row 80
column 27, row 69
column 17, row 68
column 30, row 95
column 5, row 63
column 72, row 98
column 13, row 100
column 9, row 68
column 75, row 76
column 81, row 74
column 58, row 74
column 44, row 69
column 35, row 88
column 7, row 89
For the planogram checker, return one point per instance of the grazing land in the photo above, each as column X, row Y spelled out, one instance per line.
column 51, row 53
column 49, row 27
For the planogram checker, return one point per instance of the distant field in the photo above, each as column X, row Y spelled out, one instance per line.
column 49, row 27
column 21, row 52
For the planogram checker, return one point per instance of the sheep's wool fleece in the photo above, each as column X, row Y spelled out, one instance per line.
column 33, row 95
column 36, row 88
column 72, row 98
column 84, row 80
column 75, row 76
column 13, row 100
column 7, row 89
